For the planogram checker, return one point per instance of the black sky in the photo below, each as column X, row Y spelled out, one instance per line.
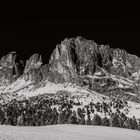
column 30, row 34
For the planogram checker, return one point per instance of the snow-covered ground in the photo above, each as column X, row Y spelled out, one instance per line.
column 134, row 109
column 67, row 132
column 26, row 88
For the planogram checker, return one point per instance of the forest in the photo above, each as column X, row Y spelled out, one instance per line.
column 47, row 110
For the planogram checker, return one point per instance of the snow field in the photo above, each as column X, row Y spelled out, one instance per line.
column 67, row 132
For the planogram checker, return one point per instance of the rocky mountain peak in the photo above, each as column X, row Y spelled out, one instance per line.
column 78, row 55
column 79, row 60
column 8, row 60
column 11, row 67
column 34, row 62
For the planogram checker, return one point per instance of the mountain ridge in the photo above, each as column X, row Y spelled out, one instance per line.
column 77, row 60
column 82, row 78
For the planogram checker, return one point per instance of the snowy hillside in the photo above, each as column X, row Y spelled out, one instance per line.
column 22, row 89
column 67, row 132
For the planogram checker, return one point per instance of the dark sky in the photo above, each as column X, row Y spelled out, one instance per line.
column 30, row 34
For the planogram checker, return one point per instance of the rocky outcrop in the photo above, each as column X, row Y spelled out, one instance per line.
column 34, row 62
column 32, row 68
column 78, row 60
column 11, row 67
column 80, row 56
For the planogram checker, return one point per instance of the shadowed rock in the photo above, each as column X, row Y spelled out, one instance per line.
column 32, row 67
column 34, row 62
column 11, row 67
column 80, row 56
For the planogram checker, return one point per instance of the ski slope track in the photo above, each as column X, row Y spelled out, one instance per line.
column 67, row 132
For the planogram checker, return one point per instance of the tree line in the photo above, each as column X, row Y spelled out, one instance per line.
column 43, row 110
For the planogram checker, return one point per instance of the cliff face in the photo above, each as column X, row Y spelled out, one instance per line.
column 34, row 62
column 84, row 57
column 83, row 62
column 11, row 67
column 98, row 67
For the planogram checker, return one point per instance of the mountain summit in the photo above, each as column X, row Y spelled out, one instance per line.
column 77, row 66
column 84, row 57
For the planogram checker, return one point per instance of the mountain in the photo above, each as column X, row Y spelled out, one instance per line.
column 99, row 67
column 79, row 67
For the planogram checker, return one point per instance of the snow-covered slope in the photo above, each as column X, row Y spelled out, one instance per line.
column 21, row 89
column 28, row 89
column 67, row 132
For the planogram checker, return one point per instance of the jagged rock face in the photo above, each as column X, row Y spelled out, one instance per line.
column 34, row 62
column 8, row 60
column 73, row 57
column 78, row 59
column 11, row 67
column 83, row 57
column 32, row 68
column 77, row 56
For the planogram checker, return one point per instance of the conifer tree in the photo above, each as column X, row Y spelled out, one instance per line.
column 121, row 122
column 114, row 120
column 105, row 121
column 127, row 123
column 96, row 120
column 73, row 118
column 81, row 116
column 88, row 121
column 138, row 125
column 134, row 124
